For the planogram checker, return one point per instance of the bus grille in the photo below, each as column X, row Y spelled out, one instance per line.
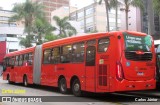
column 102, row 75
column 138, row 57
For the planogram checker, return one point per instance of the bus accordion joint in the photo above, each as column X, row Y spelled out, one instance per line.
column 119, row 71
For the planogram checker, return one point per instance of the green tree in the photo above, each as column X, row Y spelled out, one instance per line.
column 127, row 4
column 27, row 11
column 64, row 27
column 41, row 27
column 25, row 42
column 50, row 37
column 156, row 6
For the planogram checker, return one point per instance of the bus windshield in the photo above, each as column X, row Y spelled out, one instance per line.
column 137, row 43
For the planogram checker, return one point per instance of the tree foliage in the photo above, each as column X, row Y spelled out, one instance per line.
column 28, row 12
column 50, row 37
column 64, row 27
column 156, row 6
column 41, row 27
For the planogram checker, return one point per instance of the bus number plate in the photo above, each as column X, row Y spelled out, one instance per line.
column 140, row 73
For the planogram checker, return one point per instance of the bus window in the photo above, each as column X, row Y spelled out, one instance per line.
column 11, row 61
column 90, row 56
column 47, row 56
column 91, row 42
column 30, row 59
column 16, row 61
column 55, row 55
column 20, row 60
column 78, row 52
column 66, row 54
column 103, row 44
column 26, row 57
column 7, row 62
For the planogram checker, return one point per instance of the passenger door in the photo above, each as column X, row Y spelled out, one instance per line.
column 90, row 71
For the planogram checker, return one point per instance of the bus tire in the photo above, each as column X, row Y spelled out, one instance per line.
column 25, row 81
column 76, row 88
column 63, row 85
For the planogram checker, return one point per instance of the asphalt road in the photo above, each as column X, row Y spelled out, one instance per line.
column 128, row 98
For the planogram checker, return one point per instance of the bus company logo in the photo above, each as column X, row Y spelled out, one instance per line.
column 128, row 64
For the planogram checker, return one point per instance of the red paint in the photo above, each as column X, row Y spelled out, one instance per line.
column 98, row 78
column 2, row 50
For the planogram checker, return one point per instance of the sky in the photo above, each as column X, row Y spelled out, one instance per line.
column 8, row 4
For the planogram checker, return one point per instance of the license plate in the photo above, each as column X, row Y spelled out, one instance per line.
column 140, row 73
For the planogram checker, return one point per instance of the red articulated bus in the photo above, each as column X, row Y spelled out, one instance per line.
column 100, row 62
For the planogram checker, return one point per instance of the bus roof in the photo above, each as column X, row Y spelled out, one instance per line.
column 73, row 39
column 86, row 37
column 27, row 50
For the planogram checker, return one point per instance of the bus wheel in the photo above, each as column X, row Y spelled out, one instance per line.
column 8, row 78
column 63, row 86
column 25, row 81
column 76, row 88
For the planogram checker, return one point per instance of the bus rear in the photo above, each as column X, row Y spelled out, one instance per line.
column 136, row 63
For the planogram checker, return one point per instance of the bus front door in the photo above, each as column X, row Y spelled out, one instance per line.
column 90, row 72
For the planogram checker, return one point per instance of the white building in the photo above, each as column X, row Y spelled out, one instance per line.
column 63, row 12
column 12, row 37
column 10, row 32
column 92, row 18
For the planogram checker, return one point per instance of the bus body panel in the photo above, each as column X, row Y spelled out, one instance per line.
column 102, row 75
column 16, row 73
column 137, row 69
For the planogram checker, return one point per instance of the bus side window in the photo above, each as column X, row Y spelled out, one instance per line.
column 103, row 44
column 7, row 62
column 30, row 59
column 13, row 61
column 78, row 52
column 20, row 60
column 10, row 62
column 4, row 64
column 16, row 61
column 66, row 54
column 47, row 56
column 25, row 61
column 55, row 55
column 91, row 42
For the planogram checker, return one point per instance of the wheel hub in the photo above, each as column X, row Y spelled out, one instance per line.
column 76, row 87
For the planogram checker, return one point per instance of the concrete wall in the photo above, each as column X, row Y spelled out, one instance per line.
column 134, row 20
column 101, row 22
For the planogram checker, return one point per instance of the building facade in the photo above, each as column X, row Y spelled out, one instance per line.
column 10, row 33
column 146, row 21
column 134, row 19
column 92, row 18
column 51, row 5
column 64, row 12
column 4, row 19
column 150, row 20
